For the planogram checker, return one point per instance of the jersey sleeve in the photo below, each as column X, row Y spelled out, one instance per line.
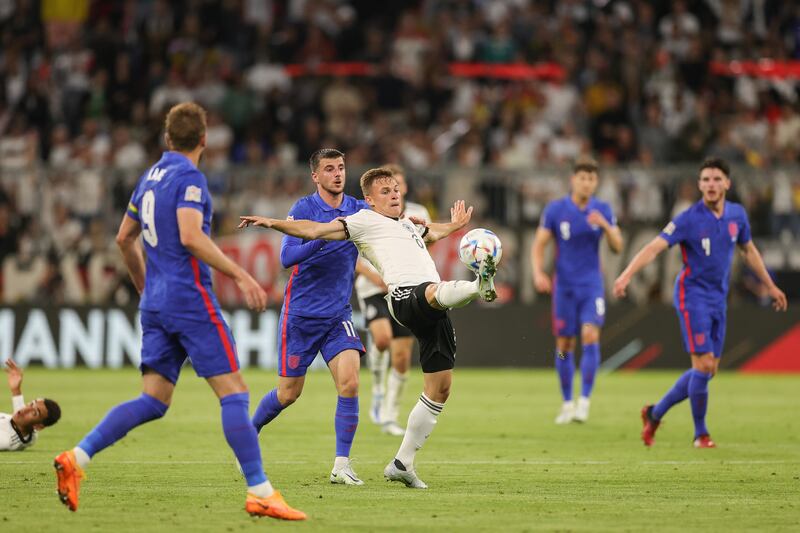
column 293, row 249
column 356, row 225
column 609, row 214
column 547, row 220
column 675, row 231
column 744, row 230
column 193, row 191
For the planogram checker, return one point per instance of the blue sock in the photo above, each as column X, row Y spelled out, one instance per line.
column 242, row 436
column 120, row 420
column 678, row 393
column 590, row 361
column 566, row 370
column 268, row 408
column 346, row 423
column 698, row 396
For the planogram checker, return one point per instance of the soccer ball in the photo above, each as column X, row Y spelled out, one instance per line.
column 478, row 244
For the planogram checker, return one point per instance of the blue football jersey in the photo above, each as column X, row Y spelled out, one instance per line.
column 175, row 281
column 577, row 241
column 320, row 286
column 707, row 245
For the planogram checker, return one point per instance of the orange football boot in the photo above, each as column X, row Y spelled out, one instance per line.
column 273, row 506
column 69, row 476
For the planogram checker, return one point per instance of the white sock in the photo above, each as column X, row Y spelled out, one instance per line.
column 262, row 490
column 378, row 363
column 394, row 390
column 81, row 457
column 340, row 462
column 420, row 425
column 453, row 294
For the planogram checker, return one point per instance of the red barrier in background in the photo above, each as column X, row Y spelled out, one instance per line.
column 764, row 68
column 782, row 355
column 505, row 71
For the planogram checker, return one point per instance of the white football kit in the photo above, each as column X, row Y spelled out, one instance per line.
column 364, row 287
column 10, row 438
column 395, row 247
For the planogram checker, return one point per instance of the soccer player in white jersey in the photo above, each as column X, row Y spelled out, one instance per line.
column 388, row 335
column 20, row 429
column 418, row 298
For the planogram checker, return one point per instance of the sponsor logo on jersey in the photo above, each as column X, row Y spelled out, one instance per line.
column 193, row 194
column 290, row 217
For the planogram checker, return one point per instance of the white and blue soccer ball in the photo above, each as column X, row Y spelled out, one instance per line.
column 477, row 245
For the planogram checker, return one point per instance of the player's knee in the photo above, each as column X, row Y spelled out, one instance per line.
column 565, row 344
column 287, row 397
column 348, row 386
column 382, row 342
column 705, row 364
column 590, row 335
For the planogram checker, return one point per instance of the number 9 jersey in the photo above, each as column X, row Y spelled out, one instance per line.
column 176, row 282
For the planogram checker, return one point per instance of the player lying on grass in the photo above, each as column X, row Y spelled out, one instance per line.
column 418, row 298
column 708, row 232
column 20, row 429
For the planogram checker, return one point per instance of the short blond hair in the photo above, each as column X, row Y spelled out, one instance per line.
column 372, row 175
column 185, row 126
column 394, row 169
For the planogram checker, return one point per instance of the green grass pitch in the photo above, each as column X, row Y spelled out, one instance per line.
column 495, row 462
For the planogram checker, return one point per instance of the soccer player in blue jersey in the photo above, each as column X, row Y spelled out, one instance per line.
column 316, row 316
column 576, row 223
column 171, row 209
column 708, row 232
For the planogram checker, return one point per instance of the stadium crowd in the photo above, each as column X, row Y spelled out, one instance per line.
column 85, row 85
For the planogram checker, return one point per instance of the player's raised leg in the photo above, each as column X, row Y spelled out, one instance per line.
column 275, row 401
column 262, row 498
column 344, row 369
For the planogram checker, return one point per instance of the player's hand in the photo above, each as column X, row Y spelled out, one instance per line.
column 459, row 214
column 14, row 375
column 620, row 286
column 779, row 299
column 542, row 283
column 596, row 218
column 252, row 220
column 254, row 295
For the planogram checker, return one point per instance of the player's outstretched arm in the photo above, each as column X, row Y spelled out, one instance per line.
column 14, row 375
column 131, row 248
column 460, row 216
column 305, row 229
column 645, row 256
column 541, row 281
column 200, row 245
column 753, row 258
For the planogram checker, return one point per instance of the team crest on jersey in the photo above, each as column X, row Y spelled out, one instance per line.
column 294, row 361
column 699, row 338
column 193, row 194
column 733, row 230
column 669, row 229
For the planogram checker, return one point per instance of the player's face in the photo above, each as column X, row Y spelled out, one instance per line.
column 713, row 184
column 401, row 182
column 385, row 197
column 330, row 175
column 33, row 414
column 584, row 183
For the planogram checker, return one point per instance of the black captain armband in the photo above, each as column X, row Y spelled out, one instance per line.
column 346, row 229
column 427, row 229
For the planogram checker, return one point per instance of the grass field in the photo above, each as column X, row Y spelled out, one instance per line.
column 495, row 462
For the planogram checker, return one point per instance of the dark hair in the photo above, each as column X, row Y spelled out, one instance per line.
column 185, row 126
column 371, row 176
column 716, row 162
column 584, row 163
column 324, row 153
column 53, row 412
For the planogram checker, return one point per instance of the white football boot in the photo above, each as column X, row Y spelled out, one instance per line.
column 582, row 410
column 392, row 428
column 393, row 472
column 486, row 274
column 567, row 413
column 345, row 475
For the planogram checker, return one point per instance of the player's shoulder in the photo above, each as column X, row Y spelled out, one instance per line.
column 736, row 209
column 556, row 203
column 599, row 204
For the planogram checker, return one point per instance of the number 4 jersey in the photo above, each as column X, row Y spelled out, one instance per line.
column 176, row 282
column 707, row 245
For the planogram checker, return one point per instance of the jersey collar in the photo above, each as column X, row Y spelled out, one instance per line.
column 322, row 204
